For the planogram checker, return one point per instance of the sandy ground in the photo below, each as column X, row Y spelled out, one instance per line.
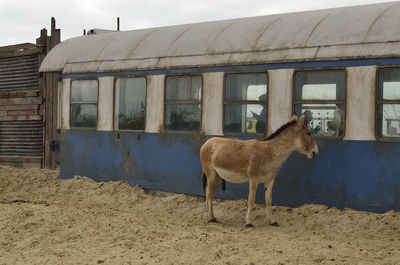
column 47, row 220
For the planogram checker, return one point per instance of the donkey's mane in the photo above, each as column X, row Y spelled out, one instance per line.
column 277, row 132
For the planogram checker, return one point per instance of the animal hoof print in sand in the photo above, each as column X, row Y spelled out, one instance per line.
column 249, row 226
column 274, row 224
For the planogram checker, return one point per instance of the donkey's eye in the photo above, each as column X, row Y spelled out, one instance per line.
column 309, row 133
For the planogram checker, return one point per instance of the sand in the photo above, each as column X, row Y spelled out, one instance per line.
column 47, row 220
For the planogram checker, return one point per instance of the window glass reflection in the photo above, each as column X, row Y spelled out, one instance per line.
column 252, row 122
column 320, row 85
column 241, row 113
column 182, row 103
column 83, row 109
column 183, row 88
column 389, row 120
column 182, row 117
column 83, row 115
column 323, row 119
column 84, row 91
column 245, row 86
column 130, row 103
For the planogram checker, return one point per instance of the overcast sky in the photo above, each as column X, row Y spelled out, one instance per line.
column 22, row 20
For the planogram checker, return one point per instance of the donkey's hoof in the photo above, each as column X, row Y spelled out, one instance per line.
column 274, row 224
column 249, row 225
column 213, row 220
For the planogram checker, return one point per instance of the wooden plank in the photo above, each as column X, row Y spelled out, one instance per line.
column 36, row 50
column 21, row 164
column 22, row 101
column 20, row 159
column 22, row 118
column 15, row 47
column 19, row 107
column 19, row 94
column 21, row 112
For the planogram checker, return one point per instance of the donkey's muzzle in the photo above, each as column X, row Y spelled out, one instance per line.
column 314, row 154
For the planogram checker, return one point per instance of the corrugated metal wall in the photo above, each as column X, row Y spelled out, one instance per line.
column 21, row 122
column 19, row 73
column 28, row 103
column 21, row 138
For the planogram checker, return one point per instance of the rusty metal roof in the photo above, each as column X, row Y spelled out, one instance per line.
column 329, row 34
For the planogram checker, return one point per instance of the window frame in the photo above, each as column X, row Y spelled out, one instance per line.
column 379, row 102
column 344, row 102
column 87, row 103
column 114, row 106
column 226, row 102
column 186, row 102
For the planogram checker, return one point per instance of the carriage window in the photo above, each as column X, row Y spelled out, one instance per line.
column 245, row 103
column 388, row 103
column 130, row 103
column 320, row 95
column 84, row 103
column 183, row 103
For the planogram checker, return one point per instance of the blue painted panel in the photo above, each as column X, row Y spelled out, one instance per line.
column 359, row 174
column 153, row 161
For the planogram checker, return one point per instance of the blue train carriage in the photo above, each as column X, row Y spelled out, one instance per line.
column 137, row 105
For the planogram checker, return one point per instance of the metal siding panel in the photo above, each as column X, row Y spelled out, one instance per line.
column 21, row 138
column 386, row 26
column 171, row 163
column 19, row 73
column 276, row 38
column 255, row 67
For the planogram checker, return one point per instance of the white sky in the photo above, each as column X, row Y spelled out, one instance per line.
column 22, row 20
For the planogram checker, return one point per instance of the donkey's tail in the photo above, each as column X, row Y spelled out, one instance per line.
column 204, row 178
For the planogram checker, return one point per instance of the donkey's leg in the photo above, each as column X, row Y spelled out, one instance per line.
column 268, row 202
column 253, row 182
column 213, row 181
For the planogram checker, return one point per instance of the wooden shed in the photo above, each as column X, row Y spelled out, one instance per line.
column 28, row 103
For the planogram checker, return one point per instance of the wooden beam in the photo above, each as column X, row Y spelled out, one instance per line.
column 36, row 50
column 22, row 112
column 21, row 164
column 19, row 159
column 22, row 118
column 19, row 107
column 22, row 46
column 18, row 101
column 19, row 94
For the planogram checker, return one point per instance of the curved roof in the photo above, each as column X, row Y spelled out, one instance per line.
column 339, row 33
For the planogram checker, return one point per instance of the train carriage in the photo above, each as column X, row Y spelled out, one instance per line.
column 137, row 105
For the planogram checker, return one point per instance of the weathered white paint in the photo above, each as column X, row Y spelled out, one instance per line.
column 360, row 107
column 212, row 108
column 105, row 104
column 66, row 95
column 340, row 33
column 155, row 103
column 280, row 98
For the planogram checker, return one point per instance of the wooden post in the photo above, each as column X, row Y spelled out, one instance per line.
column 49, row 90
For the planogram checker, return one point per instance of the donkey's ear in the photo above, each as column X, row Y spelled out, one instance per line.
column 294, row 117
column 301, row 120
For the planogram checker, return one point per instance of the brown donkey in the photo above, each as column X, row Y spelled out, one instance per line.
column 253, row 161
